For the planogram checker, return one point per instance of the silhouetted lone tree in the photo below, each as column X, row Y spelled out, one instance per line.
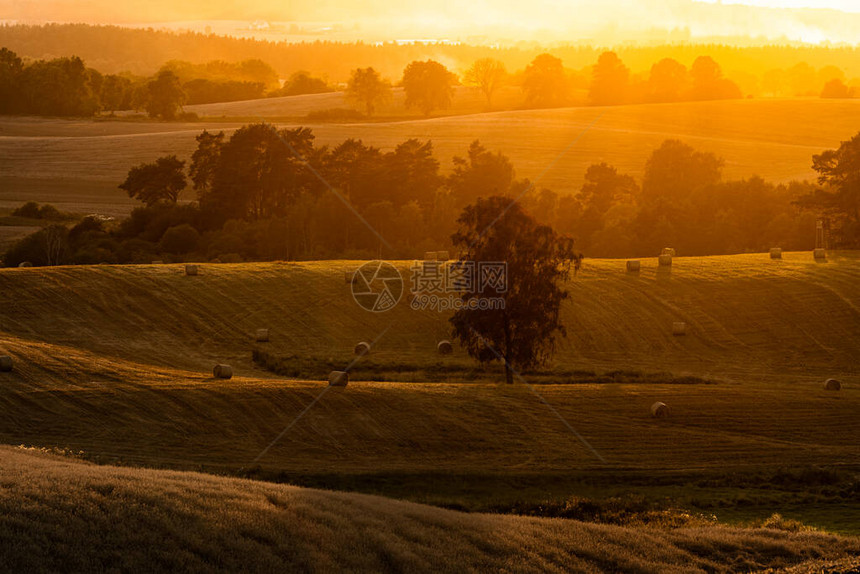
column 488, row 75
column 158, row 182
column 368, row 89
column 164, row 95
column 428, row 86
column 545, row 82
column 523, row 333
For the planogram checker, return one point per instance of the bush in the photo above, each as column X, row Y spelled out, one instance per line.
column 179, row 239
column 48, row 246
column 137, row 251
column 778, row 522
column 50, row 212
column 30, row 210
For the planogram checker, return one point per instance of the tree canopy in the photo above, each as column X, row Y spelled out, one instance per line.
column 428, row 85
column 156, row 182
column 537, row 261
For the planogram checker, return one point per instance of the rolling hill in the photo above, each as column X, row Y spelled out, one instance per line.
column 115, row 361
column 78, row 164
column 60, row 514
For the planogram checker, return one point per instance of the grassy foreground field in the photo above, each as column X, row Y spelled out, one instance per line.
column 116, row 362
column 77, row 164
column 95, row 518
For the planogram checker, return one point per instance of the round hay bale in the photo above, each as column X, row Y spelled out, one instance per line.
column 442, row 256
column 820, row 253
column 633, row 266
column 679, row 328
column 670, row 251
column 659, row 410
column 25, row 264
column 262, row 335
column 430, row 256
column 5, row 363
column 776, row 253
column 665, row 260
column 191, row 269
column 362, row 349
column 223, row 372
column 832, row 385
column 338, row 379
column 445, row 347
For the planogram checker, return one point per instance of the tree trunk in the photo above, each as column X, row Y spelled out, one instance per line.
column 509, row 373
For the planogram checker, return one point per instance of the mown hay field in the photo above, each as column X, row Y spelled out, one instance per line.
column 117, row 361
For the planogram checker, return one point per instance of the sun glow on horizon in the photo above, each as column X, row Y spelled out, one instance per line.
column 610, row 22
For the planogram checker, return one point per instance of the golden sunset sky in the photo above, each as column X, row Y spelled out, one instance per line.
column 607, row 21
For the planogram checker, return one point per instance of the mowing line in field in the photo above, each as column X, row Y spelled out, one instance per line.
column 532, row 184
column 316, row 399
column 541, row 398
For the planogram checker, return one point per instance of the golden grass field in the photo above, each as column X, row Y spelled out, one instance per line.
column 77, row 164
column 118, row 519
column 115, row 362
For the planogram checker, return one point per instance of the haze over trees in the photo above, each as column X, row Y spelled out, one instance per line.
column 367, row 88
column 428, row 86
column 164, row 96
column 610, row 81
column 301, row 83
column 545, row 82
column 488, row 75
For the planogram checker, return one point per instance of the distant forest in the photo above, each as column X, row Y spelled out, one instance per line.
column 780, row 71
column 67, row 87
column 270, row 194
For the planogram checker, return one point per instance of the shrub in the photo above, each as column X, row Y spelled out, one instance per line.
column 30, row 210
column 179, row 239
column 50, row 212
column 137, row 251
column 48, row 246
column 778, row 522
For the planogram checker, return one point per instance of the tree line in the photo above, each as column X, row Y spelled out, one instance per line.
column 68, row 87
column 272, row 194
column 759, row 70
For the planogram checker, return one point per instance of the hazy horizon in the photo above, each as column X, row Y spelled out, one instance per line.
column 549, row 21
